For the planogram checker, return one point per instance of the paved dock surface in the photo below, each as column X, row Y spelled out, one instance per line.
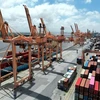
column 44, row 86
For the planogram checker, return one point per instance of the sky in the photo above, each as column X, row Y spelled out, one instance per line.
column 55, row 13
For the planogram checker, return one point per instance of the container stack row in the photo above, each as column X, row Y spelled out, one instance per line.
column 87, row 86
column 87, row 89
column 67, row 78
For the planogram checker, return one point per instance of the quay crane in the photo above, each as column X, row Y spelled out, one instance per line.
column 42, row 38
column 77, row 37
column 39, row 38
column 12, row 66
column 57, row 40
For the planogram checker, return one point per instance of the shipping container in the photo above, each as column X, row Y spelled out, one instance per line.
column 78, row 82
column 90, row 97
column 98, row 66
column 98, row 74
column 85, row 97
column 95, row 65
column 86, row 64
column 90, row 75
column 98, row 61
column 82, row 85
column 76, row 96
column 91, row 85
column 98, row 54
column 96, row 90
column 86, row 73
column 86, row 87
column 60, row 83
column 93, row 73
column 68, row 78
column 91, row 66
column 79, row 60
column 80, row 96
column 82, row 72
column 99, row 92
column 92, row 80
column 65, row 83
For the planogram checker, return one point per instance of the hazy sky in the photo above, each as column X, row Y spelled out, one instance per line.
column 56, row 13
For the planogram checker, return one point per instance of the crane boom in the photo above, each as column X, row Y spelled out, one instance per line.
column 43, row 25
column 76, row 27
column 72, row 28
column 1, row 20
column 3, row 27
column 28, row 17
column 32, row 28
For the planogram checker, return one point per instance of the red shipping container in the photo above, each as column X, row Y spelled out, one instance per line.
column 99, row 89
column 96, row 88
column 82, row 85
column 78, row 84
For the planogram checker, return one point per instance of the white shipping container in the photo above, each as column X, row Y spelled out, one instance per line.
column 90, row 75
column 82, row 72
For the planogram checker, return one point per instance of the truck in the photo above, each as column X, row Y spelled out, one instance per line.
column 65, row 82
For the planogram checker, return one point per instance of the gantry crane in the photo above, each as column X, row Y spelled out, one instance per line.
column 58, row 39
column 14, row 58
column 13, row 42
column 48, row 45
column 39, row 38
column 79, row 36
column 72, row 34
column 88, row 34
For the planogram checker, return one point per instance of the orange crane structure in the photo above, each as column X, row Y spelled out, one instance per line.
column 46, row 38
column 72, row 34
column 60, row 38
column 88, row 34
column 57, row 39
column 13, row 60
column 39, row 38
column 48, row 45
column 82, row 35
column 4, row 28
column 77, row 37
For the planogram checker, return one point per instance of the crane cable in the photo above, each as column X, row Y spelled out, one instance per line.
column 16, row 31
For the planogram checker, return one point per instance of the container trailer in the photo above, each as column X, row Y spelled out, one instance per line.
column 67, row 79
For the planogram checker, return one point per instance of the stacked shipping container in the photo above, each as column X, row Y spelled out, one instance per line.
column 67, row 78
column 87, row 86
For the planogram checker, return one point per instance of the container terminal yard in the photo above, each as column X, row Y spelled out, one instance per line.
column 38, row 68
